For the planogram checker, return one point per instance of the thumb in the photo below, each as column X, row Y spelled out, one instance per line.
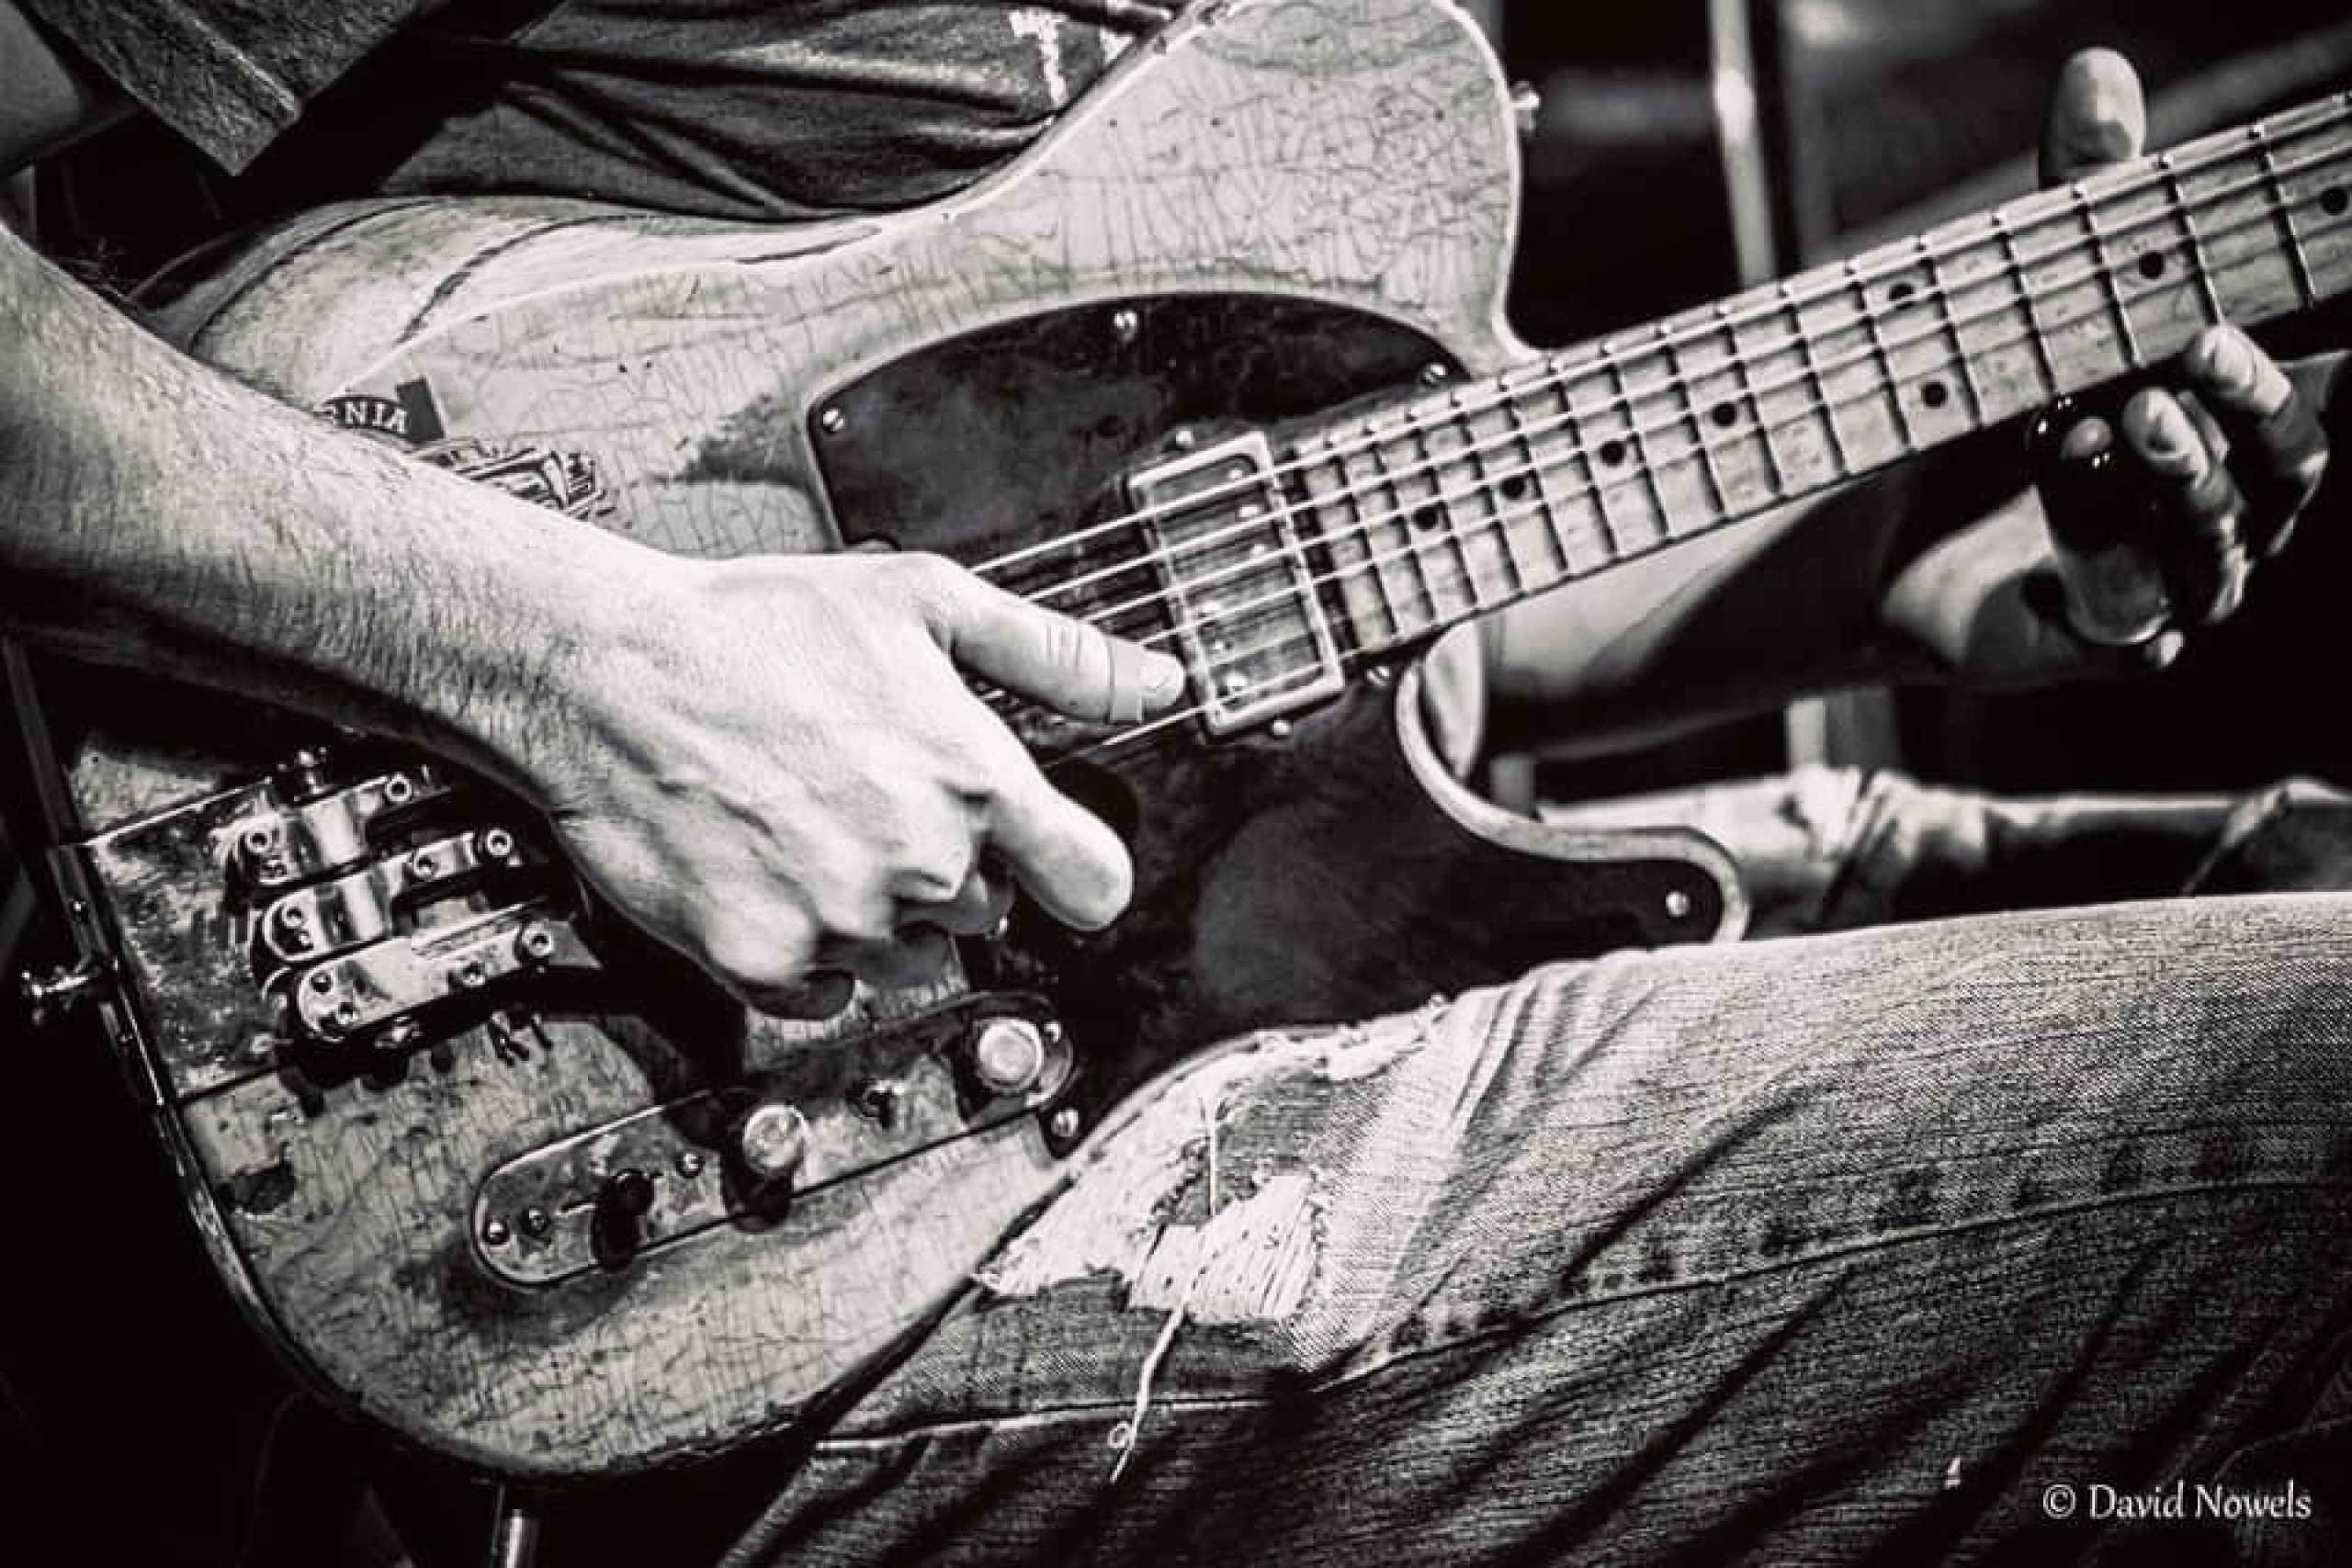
column 2098, row 115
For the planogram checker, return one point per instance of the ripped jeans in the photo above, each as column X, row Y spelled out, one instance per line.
column 2013, row 1239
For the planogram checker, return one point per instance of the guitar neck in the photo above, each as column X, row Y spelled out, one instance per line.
column 1476, row 495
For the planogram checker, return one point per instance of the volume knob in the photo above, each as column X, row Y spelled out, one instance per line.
column 773, row 1141
column 1009, row 1056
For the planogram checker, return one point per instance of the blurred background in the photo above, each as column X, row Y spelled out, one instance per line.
column 1686, row 148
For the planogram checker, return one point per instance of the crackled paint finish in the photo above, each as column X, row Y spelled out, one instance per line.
column 1304, row 148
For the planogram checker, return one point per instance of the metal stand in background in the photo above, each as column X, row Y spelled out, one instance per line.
column 1779, row 224
column 513, row 1531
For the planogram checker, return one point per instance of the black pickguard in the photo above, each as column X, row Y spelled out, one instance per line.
column 1282, row 878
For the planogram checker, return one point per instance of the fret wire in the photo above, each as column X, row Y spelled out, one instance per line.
column 1887, row 379
column 1483, row 482
column 1415, row 545
column 1532, row 469
column 1680, row 379
column 1640, row 453
column 1361, row 532
column 1425, row 456
column 1739, row 363
column 1382, row 499
column 1323, row 614
column 1612, row 543
column 2015, row 267
column 1492, row 488
column 2177, row 200
column 2104, row 267
column 2285, row 205
column 1810, row 367
column 1950, row 327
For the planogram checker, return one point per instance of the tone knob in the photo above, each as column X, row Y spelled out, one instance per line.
column 773, row 1141
column 1009, row 1056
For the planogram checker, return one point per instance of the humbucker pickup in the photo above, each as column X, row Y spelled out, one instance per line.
column 1238, row 583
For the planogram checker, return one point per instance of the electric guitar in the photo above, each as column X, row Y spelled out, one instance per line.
column 1218, row 363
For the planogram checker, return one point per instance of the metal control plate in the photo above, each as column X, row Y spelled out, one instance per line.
column 549, row 1215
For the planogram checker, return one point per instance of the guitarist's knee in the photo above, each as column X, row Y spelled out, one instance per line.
column 1217, row 1199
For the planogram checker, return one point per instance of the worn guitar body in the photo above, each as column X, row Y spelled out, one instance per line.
column 494, row 1175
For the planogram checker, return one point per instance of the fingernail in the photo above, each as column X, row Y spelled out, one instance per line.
column 2087, row 439
column 2112, row 105
column 2229, row 359
column 1163, row 678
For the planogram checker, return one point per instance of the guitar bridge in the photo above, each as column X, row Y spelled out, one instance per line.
column 367, row 908
column 278, row 847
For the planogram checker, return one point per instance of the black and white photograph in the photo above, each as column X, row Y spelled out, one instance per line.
column 1294, row 783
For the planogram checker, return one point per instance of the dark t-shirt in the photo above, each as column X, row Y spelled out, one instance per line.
column 746, row 108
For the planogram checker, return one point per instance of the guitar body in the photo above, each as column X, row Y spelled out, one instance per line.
column 509, row 1212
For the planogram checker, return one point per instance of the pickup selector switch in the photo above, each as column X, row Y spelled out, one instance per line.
column 622, row 1203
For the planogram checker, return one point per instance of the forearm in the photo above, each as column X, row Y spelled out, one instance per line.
column 159, row 514
column 1785, row 605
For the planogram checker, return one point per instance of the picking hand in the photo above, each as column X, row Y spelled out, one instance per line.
column 787, row 774
column 2159, row 510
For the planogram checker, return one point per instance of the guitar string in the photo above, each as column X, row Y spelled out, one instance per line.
column 1779, row 301
column 1466, row 581
column 1593, row 495
column 1684, row 428
column 1555, row 370
column 1692, row 441
column 1498, row 525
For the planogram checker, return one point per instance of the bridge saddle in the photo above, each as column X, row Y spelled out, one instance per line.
column 376, row 900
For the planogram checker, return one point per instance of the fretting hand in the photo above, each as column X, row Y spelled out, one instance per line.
column 2155, row 506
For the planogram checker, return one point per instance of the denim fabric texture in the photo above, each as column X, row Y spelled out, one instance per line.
column 1955, row 1241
